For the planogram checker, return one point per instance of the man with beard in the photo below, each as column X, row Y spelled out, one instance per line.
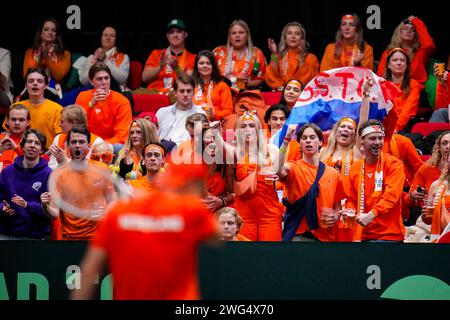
column 375, row 189
column 21, row 185
column 80, row 190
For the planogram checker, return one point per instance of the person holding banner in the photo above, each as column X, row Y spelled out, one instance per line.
column 254, row 183
column 375, row 188
column 350, row 49
column 412, row 36
column 398, row 72
column 314, row 191
column 344, row 147
column 291, row 59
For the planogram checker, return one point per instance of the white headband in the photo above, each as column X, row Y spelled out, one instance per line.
column 371, row 129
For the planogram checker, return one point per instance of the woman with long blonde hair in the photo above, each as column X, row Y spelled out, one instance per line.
column 349, row 48
column 344, row 147
column 254, row 180
column 239, row 59
column 140, row 133
column 437, row 209
column 412, row 36
column 291, row 59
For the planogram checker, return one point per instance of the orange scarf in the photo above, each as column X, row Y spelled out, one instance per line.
column 347, row 56
column 343, row 165
column 376, row 194
column 203, row 98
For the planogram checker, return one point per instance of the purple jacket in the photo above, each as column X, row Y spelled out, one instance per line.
column 28, row 184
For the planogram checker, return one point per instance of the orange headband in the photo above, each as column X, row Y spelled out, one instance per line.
column 349, row 120
column 248, row 115
column 155, row 145
column 347, row 16
column 395, row 50
column 295, row 82
column 134, row 124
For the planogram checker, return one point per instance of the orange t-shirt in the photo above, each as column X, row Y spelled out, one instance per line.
column 424, row 177
column 109, row 119
column 407, row 105
column 151, row 243
column 387, row 207
column 218, row 96
column 59, row 67
column 288, row 68
column 145, row 185
column 7, row 157
column 84, row 189
column 331, row 61
column 166, row 77
column 301, row 176
column 442, row 94
column 403, row 149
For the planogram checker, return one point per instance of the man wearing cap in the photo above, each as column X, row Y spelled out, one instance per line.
column 164, row 66
column 375, row 187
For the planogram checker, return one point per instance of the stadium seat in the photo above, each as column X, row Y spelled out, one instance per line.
column 135, row 76
column 425, row 128
column 149, row 102
column 425, row 157
column 271, row 98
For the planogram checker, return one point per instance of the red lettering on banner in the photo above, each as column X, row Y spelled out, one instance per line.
column 345, row 76
column 359, row 89
column 311, row 94
column 322, row 87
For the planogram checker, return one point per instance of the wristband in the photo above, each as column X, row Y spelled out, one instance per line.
column 274, row 57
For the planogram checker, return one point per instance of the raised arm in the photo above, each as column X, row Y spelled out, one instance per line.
column 283, row 168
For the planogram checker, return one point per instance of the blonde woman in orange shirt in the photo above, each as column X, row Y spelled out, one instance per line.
column 349, row 49
column 291, row 58
column 211, row 92
column 239, row 59
column 412, row 36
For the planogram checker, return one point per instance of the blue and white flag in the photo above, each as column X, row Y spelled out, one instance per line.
column 337, row 93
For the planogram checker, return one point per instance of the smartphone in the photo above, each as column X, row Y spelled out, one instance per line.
column 421, row 189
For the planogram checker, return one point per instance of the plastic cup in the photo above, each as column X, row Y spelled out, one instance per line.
column 350, row 219
column 241, row 83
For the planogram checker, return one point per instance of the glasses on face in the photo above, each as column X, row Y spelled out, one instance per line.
column 105, row 157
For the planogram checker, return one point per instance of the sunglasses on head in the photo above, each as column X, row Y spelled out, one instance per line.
column 103, row 157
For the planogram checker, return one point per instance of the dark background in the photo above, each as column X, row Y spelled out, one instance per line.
column 141, row 25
